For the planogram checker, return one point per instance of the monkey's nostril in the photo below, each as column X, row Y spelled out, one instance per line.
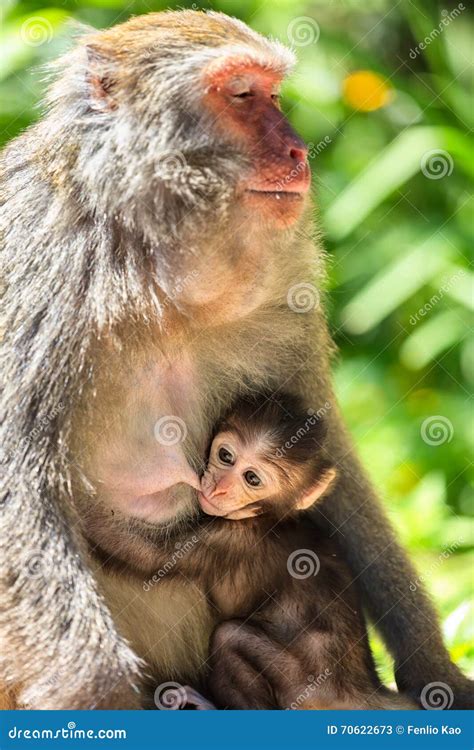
column 298, row 154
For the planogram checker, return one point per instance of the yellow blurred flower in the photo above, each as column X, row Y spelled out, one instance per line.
column 366, row 91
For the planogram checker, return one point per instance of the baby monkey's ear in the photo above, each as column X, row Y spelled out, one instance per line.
column 317, row 490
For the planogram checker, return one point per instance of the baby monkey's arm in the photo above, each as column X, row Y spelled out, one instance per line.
column 305, row 649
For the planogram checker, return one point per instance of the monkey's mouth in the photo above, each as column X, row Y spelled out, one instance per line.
column 285, row 185
column 209, row 507
column 280, row 207
column 277, row 194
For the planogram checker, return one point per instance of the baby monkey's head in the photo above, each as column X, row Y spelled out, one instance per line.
column 266, row 457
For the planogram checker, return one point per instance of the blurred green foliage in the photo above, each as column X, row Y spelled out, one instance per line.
column 392, row 190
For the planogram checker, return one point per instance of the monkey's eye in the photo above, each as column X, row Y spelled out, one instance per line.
column 243, row 95
column 252, row 479
column 225, row 456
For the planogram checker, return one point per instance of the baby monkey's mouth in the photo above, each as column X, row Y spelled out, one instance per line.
column 233, row 513
column 211, row 509
column 208, row 506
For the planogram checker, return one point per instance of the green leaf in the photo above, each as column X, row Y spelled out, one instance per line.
column 395, row 284
column 404, row 157
column 25, row 37
column 431, row 338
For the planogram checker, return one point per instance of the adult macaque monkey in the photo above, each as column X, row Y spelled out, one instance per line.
column 155, row 230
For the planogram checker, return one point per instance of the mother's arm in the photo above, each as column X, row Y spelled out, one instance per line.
column 403, row 613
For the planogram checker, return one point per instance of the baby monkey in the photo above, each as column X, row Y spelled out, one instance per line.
column 266, row 458
column 292, row 634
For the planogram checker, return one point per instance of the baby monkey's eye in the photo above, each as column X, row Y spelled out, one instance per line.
column 225, row 456
column 252, row 479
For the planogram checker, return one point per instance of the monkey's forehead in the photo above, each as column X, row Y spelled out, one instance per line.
column 210, row 36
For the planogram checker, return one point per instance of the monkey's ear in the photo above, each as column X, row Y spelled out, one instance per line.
column 317, row 490
column 100, row 80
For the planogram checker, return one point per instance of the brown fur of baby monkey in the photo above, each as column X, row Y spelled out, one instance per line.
column 292, row 633
column 156, row 240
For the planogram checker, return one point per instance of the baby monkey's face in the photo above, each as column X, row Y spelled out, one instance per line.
column 238, row 477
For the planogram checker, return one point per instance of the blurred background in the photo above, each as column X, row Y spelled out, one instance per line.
column 381, row 95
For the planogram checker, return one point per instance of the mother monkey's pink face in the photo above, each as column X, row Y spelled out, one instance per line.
column 243, row 97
